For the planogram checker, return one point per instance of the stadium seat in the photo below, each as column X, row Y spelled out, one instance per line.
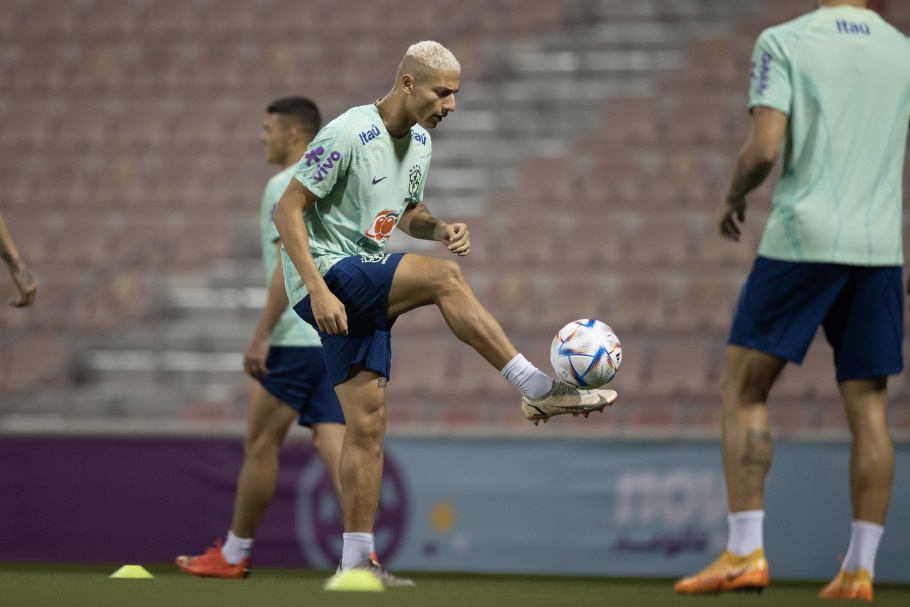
column 661, row 240
column 705, row 303
column 25, row 125
column 281, row 65
column 473, row 376
column 82, row 240
column 712, row 63
column 41, row 67
column 570, row 299
column 638, row 303
column 233, row 18
column 791, row 417
column 531, row 16
column 359, row 17
column 51, row 19
column 159, row 67
column 111, row 19
column 180, row 183
column 426, row 320
column 419, row 368
column 681, row 368
column 632, row 366
column 63, row 182
column 596, row 244
column 17, row 184
column 83, row 125
column 613, row 179
column 203, row 240
column 139, row 231
column 630, row 120
column 655, row 414
column 512, row 301
column 123, row 181
column 167, row 18
column 702, row 120
column 101, row 66
column 291, row 17
column 421, row 17
column 34, row 359
column 530, row 243
column 127, row 295
column 198, row 126
column 682, row 179
column 143, row 123
column 30, row 233
column 9, row 19
column 547, row 182
column 220, row 66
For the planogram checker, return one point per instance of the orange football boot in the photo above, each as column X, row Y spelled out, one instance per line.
column 212, row 564
column 728, row 572
column 855, row 586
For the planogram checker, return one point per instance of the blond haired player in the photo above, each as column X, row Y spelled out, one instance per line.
column 363, row 175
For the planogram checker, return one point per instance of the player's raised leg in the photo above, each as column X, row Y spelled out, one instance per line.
column 421, row 281
column 748, row 377
column 871, row 477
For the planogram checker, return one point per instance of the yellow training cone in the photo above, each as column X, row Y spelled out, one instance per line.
column 132, row 572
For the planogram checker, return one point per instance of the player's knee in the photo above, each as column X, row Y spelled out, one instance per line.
column 260, row 446
column 745, row 389
column 449, row 275
column 367, row 424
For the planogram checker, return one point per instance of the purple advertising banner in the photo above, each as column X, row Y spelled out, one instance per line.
column 124, row 500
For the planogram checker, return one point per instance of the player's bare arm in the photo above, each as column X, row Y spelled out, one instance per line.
column 328, row 311
column 755, row 162
column 275, row 304
column 417, row 221
column 20, row 273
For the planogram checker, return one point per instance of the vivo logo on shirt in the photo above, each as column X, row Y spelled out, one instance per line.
column 368, row 136
column 313, row 156
column 848, row 27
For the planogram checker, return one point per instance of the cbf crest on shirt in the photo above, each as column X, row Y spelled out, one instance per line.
column 363, row 179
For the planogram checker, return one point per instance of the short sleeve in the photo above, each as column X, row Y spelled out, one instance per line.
column 327, row 159
column 769, row 80
column 269, row 202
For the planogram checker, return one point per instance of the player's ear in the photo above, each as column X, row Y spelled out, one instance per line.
column 407, row 83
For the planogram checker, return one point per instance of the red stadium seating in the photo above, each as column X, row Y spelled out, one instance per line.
column 638, row 303
column 630, row 120
column 700, row 120
column 123, row 181
column 111, row 19
column 512, row 301
column 663, row 240
column 419, row 368
column 202, row 241
column 570, row 299
column 82, row 240
column 599, row 244
column 41, row 67
column 143, row 123
column 17, row 184
column 531, row 243
column 681, row 368
column 83, row 125
column 171, row 18
column 33, row 359
column 30, row 234
column 220, row 65
column 51, row 19
column 100, row 67
column 683, row 179
column 63, row 182
column 705, row 303
column 613, row 179
column 234, row 18
column 25, row 125
column 160, row 67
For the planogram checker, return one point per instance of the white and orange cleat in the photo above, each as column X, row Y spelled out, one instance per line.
column 856, row 586
column 728, row 572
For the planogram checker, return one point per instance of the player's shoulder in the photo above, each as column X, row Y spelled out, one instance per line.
column 422, row 137
column 281, row 178
column 354, row 125
column 789, row 31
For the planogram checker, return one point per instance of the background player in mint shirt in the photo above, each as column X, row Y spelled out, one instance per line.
column 285, row 360
column 361, row 176
column 830, row 92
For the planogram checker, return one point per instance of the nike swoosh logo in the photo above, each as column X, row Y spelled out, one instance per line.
column 734, row 575
column 375, row 181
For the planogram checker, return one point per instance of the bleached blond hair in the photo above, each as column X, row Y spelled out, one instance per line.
column 433, row 55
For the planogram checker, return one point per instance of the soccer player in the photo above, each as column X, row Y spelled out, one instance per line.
column 285, row 359
column 22, row 278
column 363, row 175
column 831, row 89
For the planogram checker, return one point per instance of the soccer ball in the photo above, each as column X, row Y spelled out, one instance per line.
column 585, row 353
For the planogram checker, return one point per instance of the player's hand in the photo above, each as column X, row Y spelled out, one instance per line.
column 25, row 282
column 730, row 215
column 254, row 358
column 456, row 238
column 329, row 313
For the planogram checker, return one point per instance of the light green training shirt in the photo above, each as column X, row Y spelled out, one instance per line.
column 291, row 330
column 842, row 76
column 363, row 179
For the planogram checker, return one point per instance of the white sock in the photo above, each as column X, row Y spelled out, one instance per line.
column 235, row 549
column 526, row 377
column 356, row 549
column 864, row 539
column 746, row 532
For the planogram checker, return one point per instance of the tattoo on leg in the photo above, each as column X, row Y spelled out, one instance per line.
column 758, row 448
column 383, row 381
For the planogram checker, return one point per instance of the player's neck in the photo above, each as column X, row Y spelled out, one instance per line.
column 394, row 116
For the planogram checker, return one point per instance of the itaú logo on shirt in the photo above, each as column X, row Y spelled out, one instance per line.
column 382, row 226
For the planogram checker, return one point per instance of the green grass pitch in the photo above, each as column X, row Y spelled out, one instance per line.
column 75, row 586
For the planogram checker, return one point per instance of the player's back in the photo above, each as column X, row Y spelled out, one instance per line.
column 846, row 92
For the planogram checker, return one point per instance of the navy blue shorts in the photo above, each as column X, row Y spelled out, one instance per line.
column 297, row 377
column 362, row 284
column 861, row 309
